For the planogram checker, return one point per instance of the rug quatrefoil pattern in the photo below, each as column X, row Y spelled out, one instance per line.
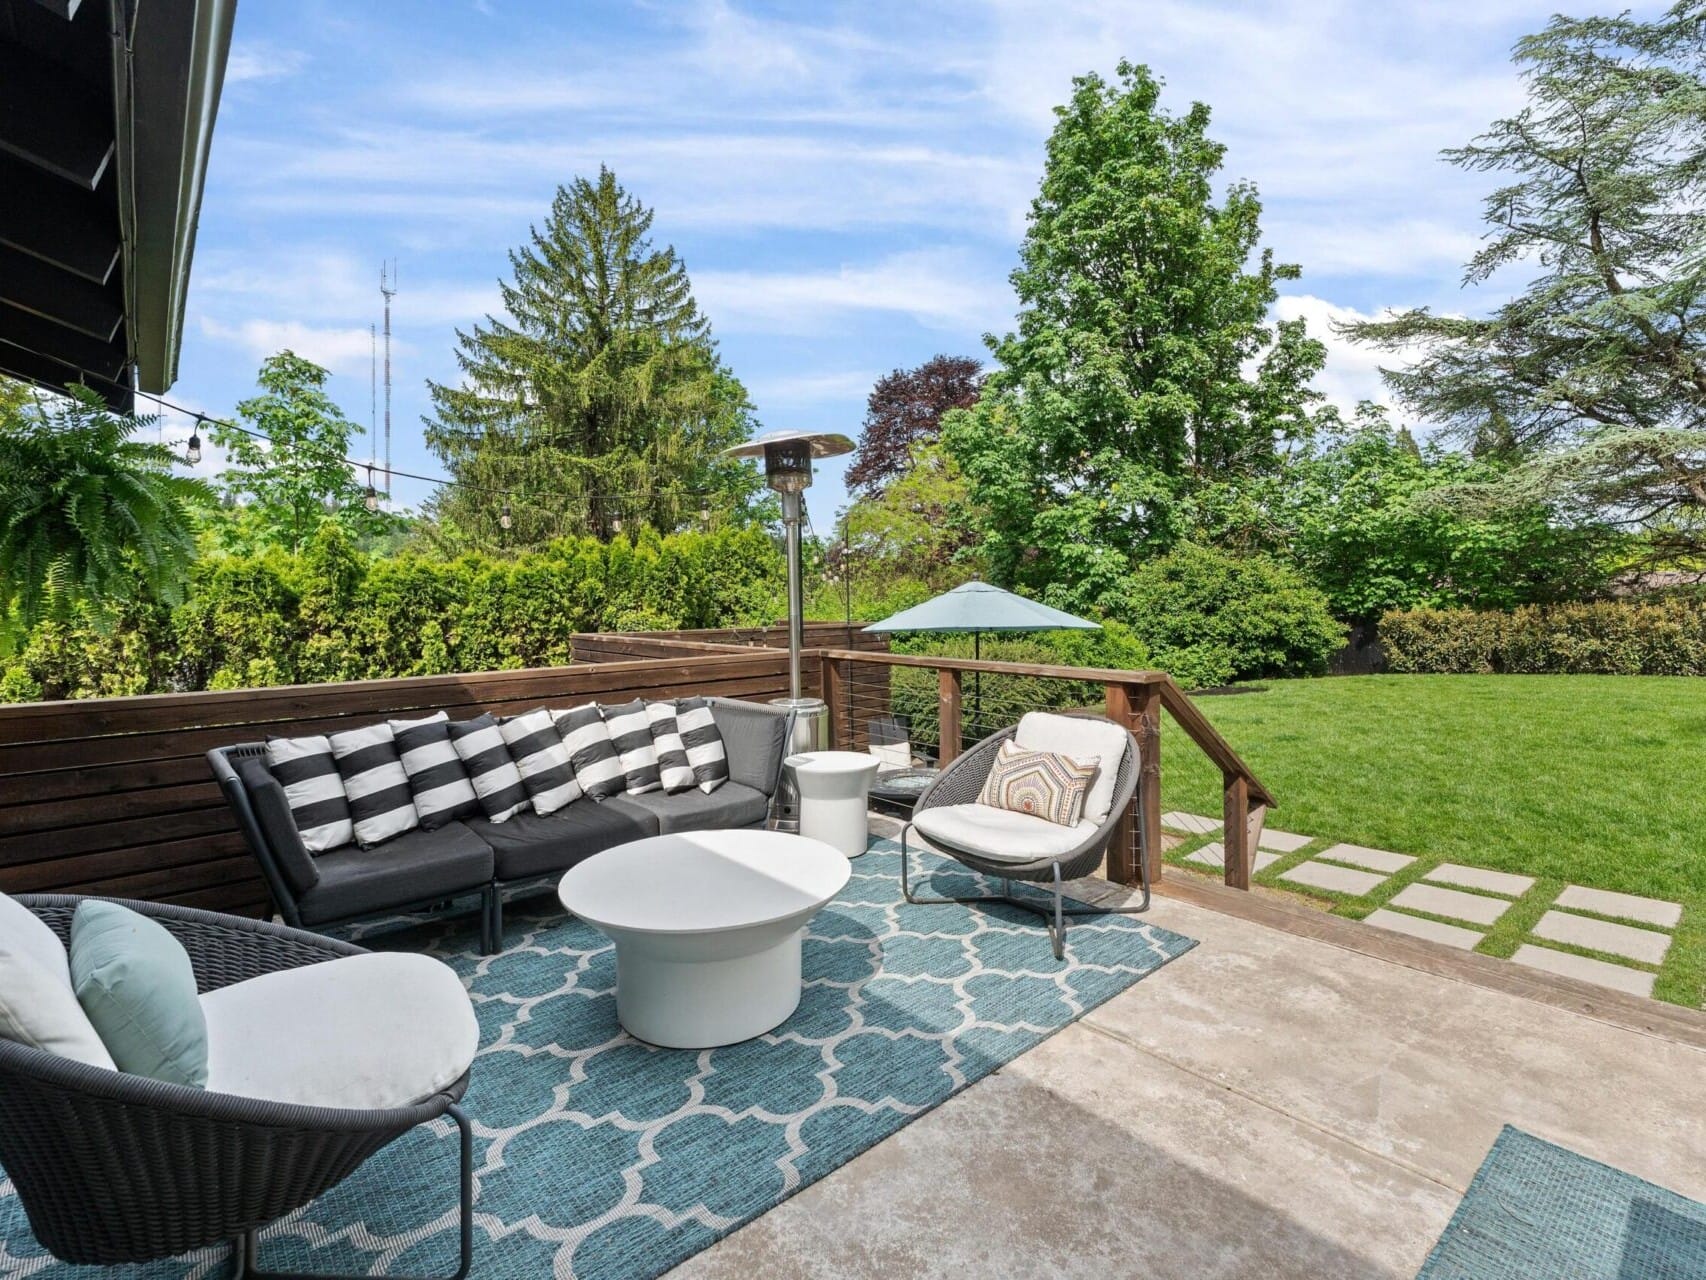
column 603, row 1158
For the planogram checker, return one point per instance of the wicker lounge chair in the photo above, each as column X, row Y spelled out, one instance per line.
column 114, row 1168
column 1060, row 853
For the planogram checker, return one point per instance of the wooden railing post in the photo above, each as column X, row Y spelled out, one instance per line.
column 947, row 715
column 835, row 696
column 1241, row 826
column 1138, row 707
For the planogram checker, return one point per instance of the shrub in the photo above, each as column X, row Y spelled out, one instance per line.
column 1666, row 637
column 1209, row 617
column 1003, row 699
column 330, row 613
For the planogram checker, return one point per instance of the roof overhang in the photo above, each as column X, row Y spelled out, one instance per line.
column 106, row 120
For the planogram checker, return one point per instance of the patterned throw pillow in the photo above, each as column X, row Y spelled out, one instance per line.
column 704, row 743
column 380, row 803
column 587, row 737
column 1039, row 783
column 308, row 772
column 496, row 779
column 673, row 769
column 631, row 733
column 542, row 760
column 436, row 776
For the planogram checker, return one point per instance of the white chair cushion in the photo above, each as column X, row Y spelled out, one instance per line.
column 1081, row 739
column 1001, row 835
column 38, row 1005
column 369, row 1031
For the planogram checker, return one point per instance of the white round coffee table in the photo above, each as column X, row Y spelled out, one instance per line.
column 835, row 795
column 707, row 927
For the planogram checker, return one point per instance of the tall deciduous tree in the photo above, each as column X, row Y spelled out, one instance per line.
column 1144, row 361
column 904, row 412
column 1595, row 374
column 598, row 397
column 90, row 516
column 289, row 470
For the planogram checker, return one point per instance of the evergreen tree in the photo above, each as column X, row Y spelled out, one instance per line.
column 1144, row 364
column 598, row 398
column 1594, row 376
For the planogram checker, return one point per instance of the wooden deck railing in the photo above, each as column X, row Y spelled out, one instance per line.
column 1135, row 699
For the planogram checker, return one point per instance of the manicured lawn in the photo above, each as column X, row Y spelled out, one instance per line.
column 1591, row 780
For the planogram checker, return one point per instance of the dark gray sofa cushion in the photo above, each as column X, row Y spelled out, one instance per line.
column 415, row 867
column 272, row 813
column 530, row 845
column 730, row 805
column 753, row 736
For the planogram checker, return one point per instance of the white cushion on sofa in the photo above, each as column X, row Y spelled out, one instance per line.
column 369, row 1031
column 1001, row 835
column 1081, row 738
column 38, row 1005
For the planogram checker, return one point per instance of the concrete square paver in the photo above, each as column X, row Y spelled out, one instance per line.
column 1433, row 930
column 1599, row 972
column 1282, row 841
column 1190, row 823
column 1214, row 855
column 1627, row 905
column 1451, row 902
column 1321, row 875
column 1512, row 886
column 1601, row 935
column 1372, row 859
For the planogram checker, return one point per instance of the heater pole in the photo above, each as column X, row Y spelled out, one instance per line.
column 791, row 515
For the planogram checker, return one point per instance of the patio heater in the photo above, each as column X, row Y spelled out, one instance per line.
column 788, row 457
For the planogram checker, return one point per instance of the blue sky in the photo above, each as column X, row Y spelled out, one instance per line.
column 847, row 183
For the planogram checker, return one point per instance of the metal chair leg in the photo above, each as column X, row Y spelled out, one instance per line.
column 246, row 1247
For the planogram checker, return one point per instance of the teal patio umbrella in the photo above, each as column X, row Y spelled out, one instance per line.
column 978, row 607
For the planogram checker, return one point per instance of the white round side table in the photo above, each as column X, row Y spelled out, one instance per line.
column 707, row 927
column 835, row 789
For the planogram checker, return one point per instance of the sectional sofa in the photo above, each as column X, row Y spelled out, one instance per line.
column 476, row 856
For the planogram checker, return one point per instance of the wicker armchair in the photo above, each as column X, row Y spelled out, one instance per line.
column 961, row 783
column 114, row 1168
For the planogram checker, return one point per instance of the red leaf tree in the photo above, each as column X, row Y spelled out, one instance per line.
column 905, row 409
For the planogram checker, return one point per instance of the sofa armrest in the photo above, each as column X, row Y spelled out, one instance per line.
column 263, row 816
column 755, row 736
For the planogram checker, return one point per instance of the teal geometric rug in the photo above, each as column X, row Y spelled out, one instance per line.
column 1535, row 1209
column 604, row 1158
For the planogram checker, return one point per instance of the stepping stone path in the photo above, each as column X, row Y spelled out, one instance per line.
column 1454, row 903
column 1282, row 841
column 1368, row 859
column 1214, row 855
column 1190, row 824
column 1501, row 882
column 1324, row 875
column 1433, row 930
column 1645, row 945
column 1599, row 972
column 1625, row 906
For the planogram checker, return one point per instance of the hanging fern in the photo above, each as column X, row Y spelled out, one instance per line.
column 91, row 516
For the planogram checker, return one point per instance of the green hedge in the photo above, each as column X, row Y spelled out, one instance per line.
column 334, row 614
column 1653, row 638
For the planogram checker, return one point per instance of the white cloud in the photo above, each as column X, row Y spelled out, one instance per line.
column 938, row 289
column 252, row 60
column 1352, row 372
column 795, row 390
column 341, row 350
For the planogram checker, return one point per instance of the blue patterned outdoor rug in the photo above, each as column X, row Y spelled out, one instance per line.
column 1535, row 1209
column 598, row 1156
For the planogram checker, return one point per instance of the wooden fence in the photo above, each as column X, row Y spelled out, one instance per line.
column 113, row 795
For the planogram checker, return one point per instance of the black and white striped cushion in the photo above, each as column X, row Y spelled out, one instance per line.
column 704, row 743
column 587, row 737
column 496, row 779
column 673, row 770
column 631, row 732
column 541, row 759
column 381, row 805
column 436, row 777
column 308, row 772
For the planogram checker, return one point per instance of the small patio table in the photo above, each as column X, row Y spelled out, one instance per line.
column 834, row 794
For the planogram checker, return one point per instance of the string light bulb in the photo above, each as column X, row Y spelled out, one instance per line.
column 504, row 518
column 193, row 453
column 372, row 497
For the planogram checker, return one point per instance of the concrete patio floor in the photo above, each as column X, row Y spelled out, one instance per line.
column 1272, row 1104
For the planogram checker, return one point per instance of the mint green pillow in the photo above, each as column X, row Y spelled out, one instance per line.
column 135, row 982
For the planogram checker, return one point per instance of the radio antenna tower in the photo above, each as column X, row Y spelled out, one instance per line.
column 388, row 287
column 372, row 394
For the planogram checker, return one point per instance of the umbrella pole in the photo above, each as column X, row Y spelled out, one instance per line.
column 977, row 684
